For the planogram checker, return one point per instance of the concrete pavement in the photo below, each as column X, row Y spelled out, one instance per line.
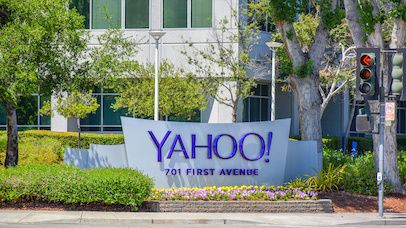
column 16, row 218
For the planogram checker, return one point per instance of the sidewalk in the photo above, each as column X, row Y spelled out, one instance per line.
column 10, row 218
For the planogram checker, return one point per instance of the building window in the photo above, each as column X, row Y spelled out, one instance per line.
column 257, row 106
column 175, row 13
column 83, row 8
column 28, row 114
column 106, row 119
column 187, row 13
column 201, row 13
column 106, row 14
column 136, row 14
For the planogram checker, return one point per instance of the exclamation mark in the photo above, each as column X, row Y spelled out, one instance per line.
column 270, row 134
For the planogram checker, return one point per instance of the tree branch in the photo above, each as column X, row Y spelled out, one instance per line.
column 353, row 20
column 376, row 38
column 291, row 43
column 398, row 32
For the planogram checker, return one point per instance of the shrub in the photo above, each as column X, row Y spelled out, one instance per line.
column 402, row 166
column 69, row 139
column 335, row 157
column 68, row 185
column 360, row 176
column 330, row 179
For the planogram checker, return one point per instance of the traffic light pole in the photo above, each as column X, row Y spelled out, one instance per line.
column 379, row 176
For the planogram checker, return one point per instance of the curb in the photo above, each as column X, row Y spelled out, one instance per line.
column 305, row 206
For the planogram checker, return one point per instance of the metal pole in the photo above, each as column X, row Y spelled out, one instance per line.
column 156, row 101
column 273, row 85
column 379, row 176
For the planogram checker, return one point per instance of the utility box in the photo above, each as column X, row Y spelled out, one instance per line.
column 364, row 123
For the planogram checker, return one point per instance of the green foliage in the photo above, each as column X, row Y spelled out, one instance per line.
column 305, row 70
column 305, row 29
column 367, row 19
column 341, row 34
column 402, row 166
column 77, row 105
column 335, row 158
column 69, row 139
column 46, row 147
column 38, row 47
column 180, row 93
column 225, row 67
column 360, row 176
column 284, row 10
column 330, row 179
column 68, row 185
column 330, row 17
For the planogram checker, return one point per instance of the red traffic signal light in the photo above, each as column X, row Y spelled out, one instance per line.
column 365, row 74
column 368, row 73
column 366, row 60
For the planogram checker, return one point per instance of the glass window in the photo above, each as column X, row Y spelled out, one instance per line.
column 255, row 109
column 111, row 117
column 175, row 13
column 136, row 13
column 201, row 13
column 82, row 7
column 106, row 14
column 93, row 119
column 257, row 106
column 264, row 109
column 45, row 120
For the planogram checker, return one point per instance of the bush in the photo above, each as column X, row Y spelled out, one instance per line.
column 402, row 166
column 68, row 185
column 330, row 179
column 360, row 176
column 69, row 139
column 46, row 147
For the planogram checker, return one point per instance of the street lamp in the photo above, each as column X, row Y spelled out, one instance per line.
column 157, row 35
column 273, row 46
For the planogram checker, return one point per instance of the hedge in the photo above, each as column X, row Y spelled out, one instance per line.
column 70, row 139
column 67, row 185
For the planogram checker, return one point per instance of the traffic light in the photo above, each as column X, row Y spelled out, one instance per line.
column 397, row 64
column 368, row 71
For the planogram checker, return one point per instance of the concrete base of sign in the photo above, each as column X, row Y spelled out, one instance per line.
column 301, row 158
column 309, row 206
column 98, row 156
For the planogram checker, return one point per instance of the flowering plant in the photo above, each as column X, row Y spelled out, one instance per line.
column 227, row 193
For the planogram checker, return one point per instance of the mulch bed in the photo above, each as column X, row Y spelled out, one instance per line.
column 342, row 202
column 348, row 202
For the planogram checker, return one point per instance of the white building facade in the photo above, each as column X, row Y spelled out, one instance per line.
column 192, row 21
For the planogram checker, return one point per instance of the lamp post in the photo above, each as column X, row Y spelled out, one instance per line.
column 273, row 46
column 157, row 35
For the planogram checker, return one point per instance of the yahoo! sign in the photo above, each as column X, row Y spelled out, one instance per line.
column 197, row 154
column 212, row 146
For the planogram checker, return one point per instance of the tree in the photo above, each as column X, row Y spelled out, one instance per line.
column 39, row 42
column 230, row 84
column 180, row 93
column 306, row 57
column 75, row 105
column 380, row 24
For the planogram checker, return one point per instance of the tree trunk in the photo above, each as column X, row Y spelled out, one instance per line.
column 309, row 101
column 12, row 137
column 79, row 131
column 391, row 171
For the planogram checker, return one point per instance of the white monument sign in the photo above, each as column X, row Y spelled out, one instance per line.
column 183, row 154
